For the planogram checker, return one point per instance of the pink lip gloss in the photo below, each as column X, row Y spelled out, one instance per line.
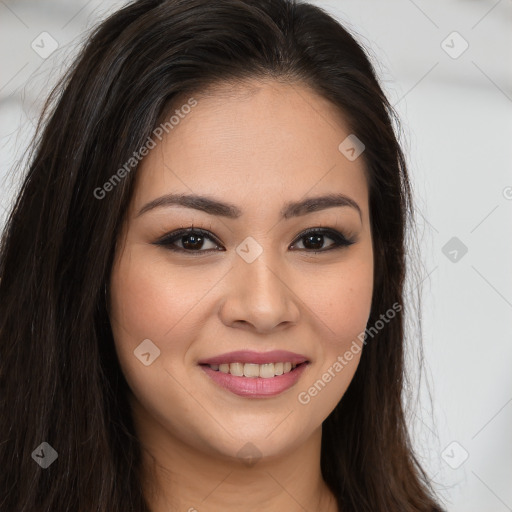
column 256, row 387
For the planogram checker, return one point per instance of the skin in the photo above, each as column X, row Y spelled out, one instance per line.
column 258, row 146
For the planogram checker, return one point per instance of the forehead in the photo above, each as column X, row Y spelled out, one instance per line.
column 252, row 142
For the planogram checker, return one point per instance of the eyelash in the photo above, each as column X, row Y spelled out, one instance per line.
column 167, row 241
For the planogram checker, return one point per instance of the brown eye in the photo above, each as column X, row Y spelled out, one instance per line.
column 314, row 239
column 191, row 240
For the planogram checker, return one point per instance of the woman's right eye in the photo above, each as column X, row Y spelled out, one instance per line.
column 192, row 241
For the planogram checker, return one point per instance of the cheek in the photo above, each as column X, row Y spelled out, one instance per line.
column 150, row 299
column 340, row 304
column 148, row 303
column 350, row 307
column 340, row 299
column 144, row 305
column 153, row 300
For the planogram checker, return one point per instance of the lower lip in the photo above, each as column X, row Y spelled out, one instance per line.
column 256, row 387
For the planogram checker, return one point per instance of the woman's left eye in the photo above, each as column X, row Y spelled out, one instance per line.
column 317, row 236
column 193, row 240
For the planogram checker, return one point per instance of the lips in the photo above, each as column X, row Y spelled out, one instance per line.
column 248, row 356
column 255, row 387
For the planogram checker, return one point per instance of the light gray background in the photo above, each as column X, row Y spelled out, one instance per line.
column 457, row 120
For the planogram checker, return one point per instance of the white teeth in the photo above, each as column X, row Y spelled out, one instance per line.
column 236, row 369
column 251, row 370
column 265, row 371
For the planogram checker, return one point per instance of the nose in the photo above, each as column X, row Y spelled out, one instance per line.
column 259, row 296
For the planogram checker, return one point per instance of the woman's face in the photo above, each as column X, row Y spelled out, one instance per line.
column 250, row 280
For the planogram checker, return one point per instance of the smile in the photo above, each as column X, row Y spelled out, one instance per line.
column 255, row 380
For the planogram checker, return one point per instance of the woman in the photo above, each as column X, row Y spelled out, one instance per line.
column 202, row 276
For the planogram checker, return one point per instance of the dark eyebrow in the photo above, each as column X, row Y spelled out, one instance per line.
column 231, row 211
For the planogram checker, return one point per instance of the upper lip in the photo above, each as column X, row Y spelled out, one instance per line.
column 248, row 356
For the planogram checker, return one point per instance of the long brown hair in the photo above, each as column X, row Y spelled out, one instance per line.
column 60, row 380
